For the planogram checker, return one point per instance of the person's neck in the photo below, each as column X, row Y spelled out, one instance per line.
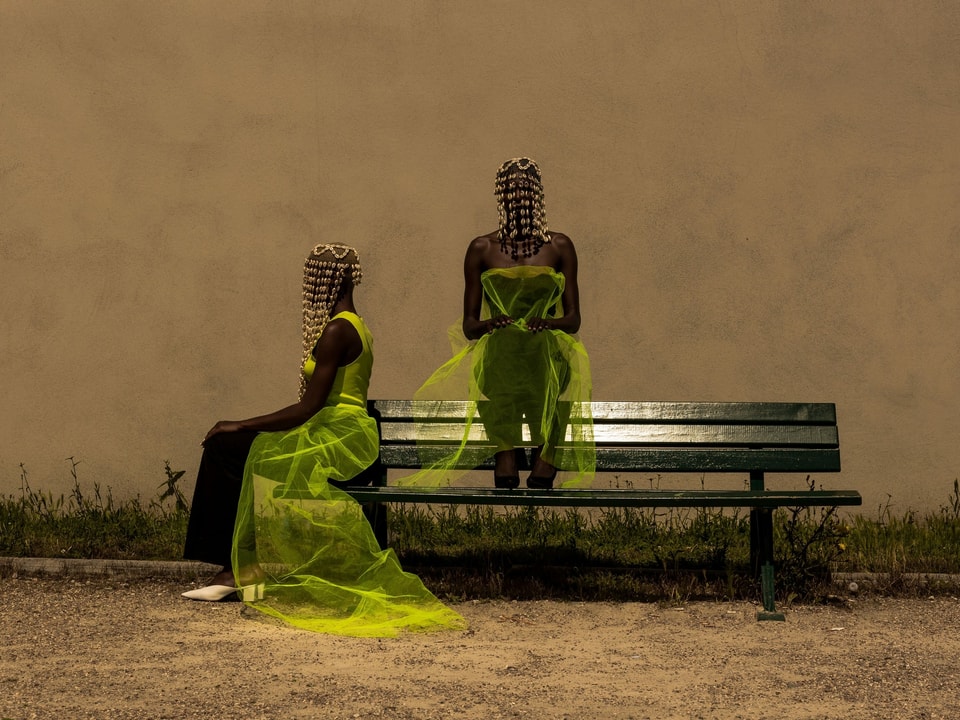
column 345, row 304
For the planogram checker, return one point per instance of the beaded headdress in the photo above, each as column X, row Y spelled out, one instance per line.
column 324, row 282
column 523, row 219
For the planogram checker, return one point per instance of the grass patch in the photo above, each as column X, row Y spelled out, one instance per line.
column 91, row 524
column 533, row 553
column 468, row 552
column 670, row 555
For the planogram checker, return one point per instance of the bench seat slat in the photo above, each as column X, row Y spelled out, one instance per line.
column 608, row 498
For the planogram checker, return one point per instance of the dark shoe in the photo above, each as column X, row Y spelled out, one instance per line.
column 506, row 482
column 535, row 482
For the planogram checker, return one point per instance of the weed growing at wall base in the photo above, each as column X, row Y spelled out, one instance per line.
column 908, row 543
column 91, row 524
column 672, row 554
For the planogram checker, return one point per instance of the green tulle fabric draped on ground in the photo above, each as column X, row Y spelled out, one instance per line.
column 324, row 570
column 310, row 543
column 522, row 388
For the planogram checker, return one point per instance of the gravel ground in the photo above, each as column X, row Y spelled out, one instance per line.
column 115, row 648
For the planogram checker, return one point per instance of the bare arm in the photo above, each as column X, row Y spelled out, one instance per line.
column 473, row 267
column 567, row 264
column 338, row 345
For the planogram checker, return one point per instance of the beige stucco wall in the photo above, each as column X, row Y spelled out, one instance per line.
column 763, row 195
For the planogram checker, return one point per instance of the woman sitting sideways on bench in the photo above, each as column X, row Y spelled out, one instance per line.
column 518, row 360
column 312, row 562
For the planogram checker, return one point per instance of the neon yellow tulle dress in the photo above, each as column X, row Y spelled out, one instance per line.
column 324, row 569
column 525, row 388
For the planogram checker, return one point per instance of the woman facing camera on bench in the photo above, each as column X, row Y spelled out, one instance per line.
column 519, row 362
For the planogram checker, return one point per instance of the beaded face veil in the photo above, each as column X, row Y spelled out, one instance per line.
column 328, row 273
column 523, row 219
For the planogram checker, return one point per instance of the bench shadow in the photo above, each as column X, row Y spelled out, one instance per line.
column 566, row 575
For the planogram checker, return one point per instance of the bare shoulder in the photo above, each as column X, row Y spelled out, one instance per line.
column 481, row 244
column 560, row 240
column 479, row 250
column 337, row 332
column 339, row 343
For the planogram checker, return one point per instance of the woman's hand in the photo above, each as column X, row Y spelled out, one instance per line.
column 536, row 325
column 221, row 427
column 500, row 321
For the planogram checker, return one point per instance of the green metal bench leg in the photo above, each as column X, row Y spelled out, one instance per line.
column 761, row 551
column 761, row 534
column 377, row 512
column 377, row 517
column 769, row 611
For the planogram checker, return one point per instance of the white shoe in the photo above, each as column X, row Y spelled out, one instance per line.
column 218, row 593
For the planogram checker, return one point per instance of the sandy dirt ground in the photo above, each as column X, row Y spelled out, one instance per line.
column 114, row 649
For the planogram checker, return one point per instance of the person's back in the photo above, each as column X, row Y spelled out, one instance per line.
column 352, row 381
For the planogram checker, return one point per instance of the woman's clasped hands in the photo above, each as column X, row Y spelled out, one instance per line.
column 534, row 325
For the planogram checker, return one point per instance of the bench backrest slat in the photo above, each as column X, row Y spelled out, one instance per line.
column 634, row 434
column 637, row 437
column 642, row 460
column 780, row 413
column 716, row 412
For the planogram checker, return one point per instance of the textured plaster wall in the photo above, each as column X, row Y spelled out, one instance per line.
column 764, row 197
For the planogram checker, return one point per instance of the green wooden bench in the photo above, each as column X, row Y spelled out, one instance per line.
column 637, row 437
